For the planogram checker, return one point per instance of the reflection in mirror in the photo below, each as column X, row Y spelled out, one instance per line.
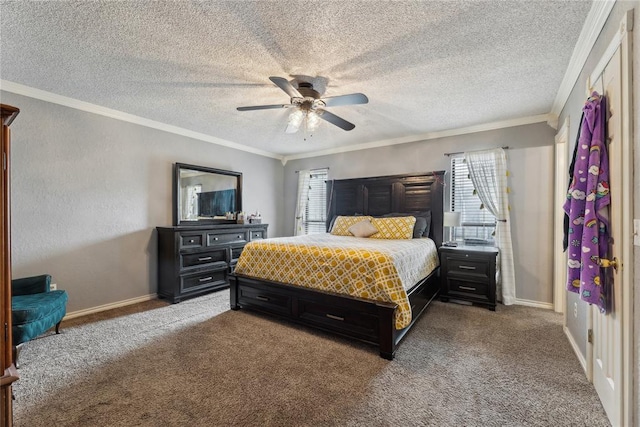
column 205, row 194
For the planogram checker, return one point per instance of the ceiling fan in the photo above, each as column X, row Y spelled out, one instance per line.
column 310, row 106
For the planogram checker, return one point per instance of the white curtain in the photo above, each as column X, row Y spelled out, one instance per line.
column 488, row 171
column 304, row 177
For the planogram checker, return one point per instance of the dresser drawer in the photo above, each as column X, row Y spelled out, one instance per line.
column 467, row 265
column 257, row 234
column 204, row 258
column 204, row 280
column 235, row 253
column 217, row 239
column 189, row 241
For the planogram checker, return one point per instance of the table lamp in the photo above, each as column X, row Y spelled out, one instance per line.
column 451, row 219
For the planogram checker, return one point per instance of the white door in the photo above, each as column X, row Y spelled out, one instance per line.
column 608, row 347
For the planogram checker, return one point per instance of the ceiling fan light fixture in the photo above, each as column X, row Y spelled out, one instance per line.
column 313, row 120
column 307, row 118
column 295, row 120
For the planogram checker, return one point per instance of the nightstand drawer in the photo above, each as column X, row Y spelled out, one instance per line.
column 467, row 287
column 467, row 265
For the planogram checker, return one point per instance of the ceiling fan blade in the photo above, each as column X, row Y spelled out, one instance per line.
column 333, row 119
column 264, row 107
column 351, row 99
column 284, row 84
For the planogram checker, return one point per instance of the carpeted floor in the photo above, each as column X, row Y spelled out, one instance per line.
column 198, row 364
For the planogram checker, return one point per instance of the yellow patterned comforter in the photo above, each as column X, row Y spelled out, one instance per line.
column 381, row 270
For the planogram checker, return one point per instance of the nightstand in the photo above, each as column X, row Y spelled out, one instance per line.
column 468, row 273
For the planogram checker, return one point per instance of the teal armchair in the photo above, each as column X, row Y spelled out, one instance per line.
column 35, row 308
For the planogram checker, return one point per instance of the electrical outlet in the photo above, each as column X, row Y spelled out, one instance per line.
column 575, row 309
column 53, row 287
column 636, row 232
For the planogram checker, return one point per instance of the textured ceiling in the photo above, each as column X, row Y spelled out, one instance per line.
column 426, row 66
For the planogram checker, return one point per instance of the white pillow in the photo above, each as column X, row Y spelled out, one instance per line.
column 363, row 229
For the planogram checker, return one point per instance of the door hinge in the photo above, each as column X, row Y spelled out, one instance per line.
column 590, row 336
column 6, row 331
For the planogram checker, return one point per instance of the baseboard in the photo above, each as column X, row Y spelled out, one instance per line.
column 536, row 304
column 576, row 349
column 110, row 306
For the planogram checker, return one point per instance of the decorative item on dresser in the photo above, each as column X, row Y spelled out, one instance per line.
column 8, row 371
column 468, row 273
column 197, row 259
column 357, row 318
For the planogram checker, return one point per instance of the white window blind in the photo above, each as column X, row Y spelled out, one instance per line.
column 316, row 212
column 477, row 224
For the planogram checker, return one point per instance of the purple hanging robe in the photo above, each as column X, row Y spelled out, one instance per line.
column 587, row 207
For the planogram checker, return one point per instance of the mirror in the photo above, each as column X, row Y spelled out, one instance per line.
column 204, row 195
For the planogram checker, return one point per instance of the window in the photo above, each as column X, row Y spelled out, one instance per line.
column 477, row 224
column 316, row 211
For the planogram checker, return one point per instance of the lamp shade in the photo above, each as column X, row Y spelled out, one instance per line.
column 451, row 219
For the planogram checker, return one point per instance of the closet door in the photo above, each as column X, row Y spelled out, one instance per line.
column 609, row 348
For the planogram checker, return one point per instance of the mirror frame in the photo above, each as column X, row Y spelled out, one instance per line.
column 176, row 194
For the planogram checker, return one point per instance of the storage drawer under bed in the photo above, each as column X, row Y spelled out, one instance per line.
column 360, row 324
column 270, row 299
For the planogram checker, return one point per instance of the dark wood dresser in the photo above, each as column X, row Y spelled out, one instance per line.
column 193, row 260
column 468, row 273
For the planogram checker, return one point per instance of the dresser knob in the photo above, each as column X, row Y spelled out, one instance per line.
column 215, row 238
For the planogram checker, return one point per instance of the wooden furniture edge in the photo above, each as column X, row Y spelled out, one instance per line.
column 10, row 375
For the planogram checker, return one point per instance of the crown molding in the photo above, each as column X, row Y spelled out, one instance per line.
column 626, row 25
column 591, row 29
column 54, row 98
column 426, row 136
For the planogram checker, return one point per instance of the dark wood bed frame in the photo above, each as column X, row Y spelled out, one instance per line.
column 364, row 320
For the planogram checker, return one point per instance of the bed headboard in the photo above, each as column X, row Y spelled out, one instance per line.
column 381, row 195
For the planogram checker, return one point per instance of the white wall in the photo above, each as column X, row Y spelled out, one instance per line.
column 530, row 161
column 88, row 192
column 532, row 222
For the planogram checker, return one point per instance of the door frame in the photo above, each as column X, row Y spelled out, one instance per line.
column 623, row 41
column 559, row 258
